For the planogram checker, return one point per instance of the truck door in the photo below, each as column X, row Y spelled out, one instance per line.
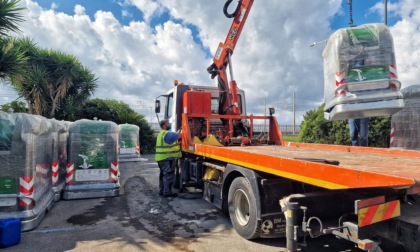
column 173, row 107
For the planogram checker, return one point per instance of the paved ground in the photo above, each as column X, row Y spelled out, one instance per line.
column 140, row 220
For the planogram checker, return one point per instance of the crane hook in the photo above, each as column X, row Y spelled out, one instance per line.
column 225, row 7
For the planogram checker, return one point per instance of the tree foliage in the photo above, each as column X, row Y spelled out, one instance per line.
column 12, row 59
column 17, row 106
column 315, row 129
column 9, row 17
column 120, row 113
column 52, row 79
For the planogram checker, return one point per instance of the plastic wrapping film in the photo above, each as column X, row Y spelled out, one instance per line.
column 360, row 66
column 92, row 152
column 405, row 125
column 25, row 165
column 129, row 145
column 59, row 156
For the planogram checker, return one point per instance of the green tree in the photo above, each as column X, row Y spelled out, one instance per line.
column 315, row 129
column 17, row 106
column 97, row 108
column 52, row 78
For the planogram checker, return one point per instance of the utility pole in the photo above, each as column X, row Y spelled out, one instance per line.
column 265, row 112
column 294, row 114
column 386, row 12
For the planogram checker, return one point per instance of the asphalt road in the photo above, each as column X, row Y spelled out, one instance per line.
column 140, row 220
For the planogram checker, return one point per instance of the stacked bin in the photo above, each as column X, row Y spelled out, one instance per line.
column 129, row 148
column 25, row 172
column 59, row 156
column 360, row 74
column 92, row 168
column 405, row 125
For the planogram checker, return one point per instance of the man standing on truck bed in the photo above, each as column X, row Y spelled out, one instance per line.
column 167, row 151
column 359, row 131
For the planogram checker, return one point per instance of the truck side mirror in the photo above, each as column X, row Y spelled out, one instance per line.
column 157, row 106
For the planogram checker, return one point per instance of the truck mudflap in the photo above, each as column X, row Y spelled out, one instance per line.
column 273, row 225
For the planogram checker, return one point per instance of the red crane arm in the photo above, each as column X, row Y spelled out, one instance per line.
column 240, row 16
column 222, row 57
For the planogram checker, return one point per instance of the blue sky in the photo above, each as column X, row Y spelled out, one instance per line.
column 125, row 13
column 138, row 47
column 362, row 14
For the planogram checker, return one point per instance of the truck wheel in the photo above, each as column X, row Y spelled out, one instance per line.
column 242, row 209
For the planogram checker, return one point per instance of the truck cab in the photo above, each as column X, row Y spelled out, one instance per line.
column 173, row 105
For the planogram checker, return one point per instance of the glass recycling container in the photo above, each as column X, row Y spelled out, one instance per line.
column 59, row 156
column 360, row 73
column 25, row 168
column 92, row 169
column 405, row 125
column 129, row 146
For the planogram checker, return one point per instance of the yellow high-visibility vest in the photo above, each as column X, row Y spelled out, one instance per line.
column 165, row 150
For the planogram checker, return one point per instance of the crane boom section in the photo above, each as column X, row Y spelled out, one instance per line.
column 241, row 14
column 228, row 101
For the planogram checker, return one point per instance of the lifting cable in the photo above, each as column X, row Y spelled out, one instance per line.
column 349, row 2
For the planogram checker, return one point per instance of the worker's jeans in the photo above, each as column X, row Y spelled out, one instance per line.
column 359, row 131
column 166, row 176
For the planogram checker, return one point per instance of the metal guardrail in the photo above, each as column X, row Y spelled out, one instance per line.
column 285, row 129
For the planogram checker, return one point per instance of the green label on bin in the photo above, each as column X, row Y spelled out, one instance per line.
column 367, row 74
column 8, row 186
column 92, row 160
column 127, row 143
column 363, row 36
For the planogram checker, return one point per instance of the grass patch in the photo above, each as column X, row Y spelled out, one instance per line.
column 289, row 138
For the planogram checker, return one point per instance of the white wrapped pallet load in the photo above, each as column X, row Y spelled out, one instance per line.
column 92, row 169
column 129, row 142
column 360, row 73
column 405, row 125
column 59, row 157
column 25, row 171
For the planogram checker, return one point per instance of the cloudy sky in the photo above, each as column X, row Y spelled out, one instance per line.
column 138, row 47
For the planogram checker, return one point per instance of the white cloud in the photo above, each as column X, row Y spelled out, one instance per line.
column 148, row 7
column 407, row 42
column 79, row 10
column 272, row 60
column 54, row 6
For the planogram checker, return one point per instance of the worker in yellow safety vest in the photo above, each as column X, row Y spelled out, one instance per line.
column 167, row 151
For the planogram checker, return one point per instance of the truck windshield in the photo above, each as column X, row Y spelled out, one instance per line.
column 169, row 106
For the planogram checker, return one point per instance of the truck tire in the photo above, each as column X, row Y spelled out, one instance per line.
column 243, row 209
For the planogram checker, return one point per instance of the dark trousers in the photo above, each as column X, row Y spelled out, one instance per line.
column 166, row 176
column 359, row 131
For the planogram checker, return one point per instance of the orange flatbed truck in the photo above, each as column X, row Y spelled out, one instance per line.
column 272, row 188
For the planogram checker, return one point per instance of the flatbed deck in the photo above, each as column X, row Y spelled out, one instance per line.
column 359, row 167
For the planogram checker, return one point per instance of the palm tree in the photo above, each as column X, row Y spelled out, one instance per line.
column 12, row 59
column 9, row 16
column 52, row 78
